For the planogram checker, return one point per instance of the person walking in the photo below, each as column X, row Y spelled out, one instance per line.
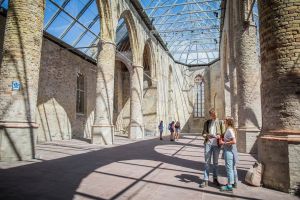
column 172, row 128
column 177, row 130
column 212, row 130
column 230, row 154
column 161, row 129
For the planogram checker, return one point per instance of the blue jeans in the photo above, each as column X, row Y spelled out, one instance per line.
column 211, row 151
column 230, row 167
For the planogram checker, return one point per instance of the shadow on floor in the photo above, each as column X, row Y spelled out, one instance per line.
column 60, row 178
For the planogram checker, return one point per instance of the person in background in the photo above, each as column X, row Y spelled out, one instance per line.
column 172, row 128
column 230, row 154
column 177, row 130
column 161, row 129
column 212, row 130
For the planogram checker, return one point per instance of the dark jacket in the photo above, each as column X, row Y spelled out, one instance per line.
column 220, row 128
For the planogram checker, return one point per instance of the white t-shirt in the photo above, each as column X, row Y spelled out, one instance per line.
column 229, row 135
column 213, row 132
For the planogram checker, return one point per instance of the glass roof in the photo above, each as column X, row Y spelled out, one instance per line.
column 189, row 28
column 4, row 4
column 76, row 22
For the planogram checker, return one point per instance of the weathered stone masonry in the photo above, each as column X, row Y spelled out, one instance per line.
column 279, row 147
column 21, row 62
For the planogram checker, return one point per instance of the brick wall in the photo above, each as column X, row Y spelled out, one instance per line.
column 57, row 94
column 280, row 59
column 2, row 29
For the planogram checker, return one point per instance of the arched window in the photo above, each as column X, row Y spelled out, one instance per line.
column 199, row 96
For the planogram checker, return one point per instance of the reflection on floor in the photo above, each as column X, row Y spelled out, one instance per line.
column 147, row 169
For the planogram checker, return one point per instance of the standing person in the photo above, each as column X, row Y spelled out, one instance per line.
column 161, row 129
column 172, row 128
column 230, row 153
column 212, row 130
column 177, row 130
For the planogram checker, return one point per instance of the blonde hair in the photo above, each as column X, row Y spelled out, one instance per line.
column 212, row 110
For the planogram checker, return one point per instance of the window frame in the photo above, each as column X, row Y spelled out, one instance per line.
column 80, row 94
column 199, row 97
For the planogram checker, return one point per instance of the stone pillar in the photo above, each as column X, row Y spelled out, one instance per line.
column 103, row 128
column 232, row 62
column 233, row 90
column 279, row 145
column 136, row 113
column 20, row 64
column 248, row 86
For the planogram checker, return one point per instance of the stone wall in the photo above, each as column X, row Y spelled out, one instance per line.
column 280, row 51
column 56, row 116
column 195, row 123
column 2, row 30
column 216, row 90
column 121, row 100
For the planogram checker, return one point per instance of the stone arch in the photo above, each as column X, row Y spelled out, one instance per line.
column 149, row 63
column 149, row 91
column 152, row 58
column 121, row 111
column 133, row 36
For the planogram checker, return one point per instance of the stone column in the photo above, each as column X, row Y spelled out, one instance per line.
column 279, row 145
column 233, row 90
column 248, row 86
column 20, row 65
column 103, row 128
column 136, row 113
column 232, row 62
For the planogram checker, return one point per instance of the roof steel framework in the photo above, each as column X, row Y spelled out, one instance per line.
column 185, row 26
column 189, row 28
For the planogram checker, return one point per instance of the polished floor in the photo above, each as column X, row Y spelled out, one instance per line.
column 142, row 170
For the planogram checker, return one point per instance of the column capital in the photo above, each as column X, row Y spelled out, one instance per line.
column 103, row 41
column 137, row 66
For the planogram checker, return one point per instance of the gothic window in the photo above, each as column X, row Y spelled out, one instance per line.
column 80, row 94
column 199, row 97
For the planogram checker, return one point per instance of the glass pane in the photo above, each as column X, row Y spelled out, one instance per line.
column 89, row 15
column 86, row 41
column 59, row 25
column 5, row 4
column 73, row 34
column 96, row 27
column 75, row 6
column 50, row 11
column 59, row 2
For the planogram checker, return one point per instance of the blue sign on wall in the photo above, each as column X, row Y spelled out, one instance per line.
column 16, row 85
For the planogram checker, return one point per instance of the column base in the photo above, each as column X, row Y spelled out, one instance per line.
column 17, row 141
column 247, row 140
column 279, row 151
column 103, row 134
column 136, row 132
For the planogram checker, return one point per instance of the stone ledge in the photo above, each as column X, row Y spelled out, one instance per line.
column 291, row 136
column 104, row 125
column 18, row 125
column 282, row 138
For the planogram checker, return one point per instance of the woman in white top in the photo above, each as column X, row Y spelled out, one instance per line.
column 230, row 153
